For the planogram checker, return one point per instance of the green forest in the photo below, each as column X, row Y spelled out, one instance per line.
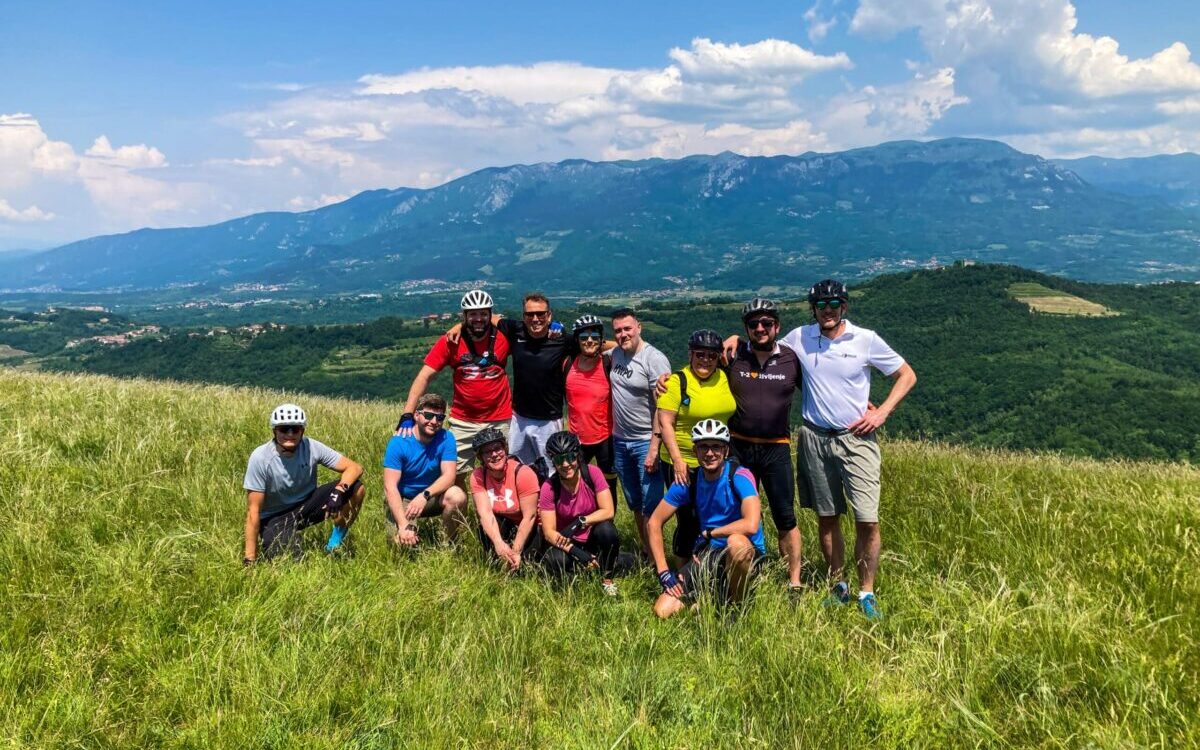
column 992, row 372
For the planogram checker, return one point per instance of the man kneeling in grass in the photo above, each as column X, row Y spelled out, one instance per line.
column 725, row 499
column 282, row 496
column 419, row 474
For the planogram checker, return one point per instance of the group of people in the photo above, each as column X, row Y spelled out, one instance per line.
column 699, row 444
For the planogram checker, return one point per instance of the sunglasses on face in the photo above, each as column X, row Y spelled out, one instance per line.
column 590, row 336
column 538, row 314
column 432, row 416
column 490, row 450
column 832, row 304
column 709, row 447
column 291, row 429
column 767, row 323
column 706, row 356
column 563, row 459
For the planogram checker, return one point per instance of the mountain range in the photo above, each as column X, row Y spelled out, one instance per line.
column 713, row 222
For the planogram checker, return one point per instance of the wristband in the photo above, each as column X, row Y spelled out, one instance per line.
column 406, row 420
column 411, row 527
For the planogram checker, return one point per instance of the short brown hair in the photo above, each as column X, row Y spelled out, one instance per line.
column 536, row 297
column 431, row 401
column 624, row 312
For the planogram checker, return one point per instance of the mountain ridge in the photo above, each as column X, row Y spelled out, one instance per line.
column 707, row 219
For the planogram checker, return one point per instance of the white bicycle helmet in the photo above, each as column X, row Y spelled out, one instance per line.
column 287, row 414
column 476, row 299
column 710, row 429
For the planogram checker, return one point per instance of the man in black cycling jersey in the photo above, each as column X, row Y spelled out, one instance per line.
column 764, row 376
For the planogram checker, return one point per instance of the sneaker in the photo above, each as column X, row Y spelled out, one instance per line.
column 610, row 587
column 337, row 540
column 870, row 607
column 839, row 594
column 795, row 592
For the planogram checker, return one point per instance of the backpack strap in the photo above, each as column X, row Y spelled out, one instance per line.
column 684, row 399
column 488, row 356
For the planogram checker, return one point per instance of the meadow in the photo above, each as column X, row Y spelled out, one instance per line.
column 1029, row 600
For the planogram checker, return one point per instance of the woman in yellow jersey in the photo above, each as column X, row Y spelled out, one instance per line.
column 698, row 391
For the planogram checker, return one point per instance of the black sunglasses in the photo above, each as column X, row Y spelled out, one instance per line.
column 763, row 322
column 432, row 416
column 565, row 458
column 590, row 336
column 539, row 314
column 290, row 429
column 832, row 304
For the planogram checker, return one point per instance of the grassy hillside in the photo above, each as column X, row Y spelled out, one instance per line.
column 1029, row 601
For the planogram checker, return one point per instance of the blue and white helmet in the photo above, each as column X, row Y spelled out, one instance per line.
column 288, row 414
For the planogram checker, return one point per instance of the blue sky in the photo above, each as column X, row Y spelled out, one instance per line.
column 124, row 115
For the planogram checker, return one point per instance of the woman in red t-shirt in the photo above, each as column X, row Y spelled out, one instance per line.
column 506, row 498
column 589, row 397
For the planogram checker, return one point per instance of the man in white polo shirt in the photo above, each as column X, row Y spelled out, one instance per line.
column 837, row 456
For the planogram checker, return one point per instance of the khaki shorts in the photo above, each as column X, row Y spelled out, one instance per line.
column 433, row 507
column 463, row 433
column 835, row 470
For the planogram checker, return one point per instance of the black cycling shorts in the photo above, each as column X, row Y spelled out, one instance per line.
column 771, row 465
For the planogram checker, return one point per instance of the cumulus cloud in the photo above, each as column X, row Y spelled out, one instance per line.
column 107, row 187
column 31, row 213
column 1027, row 71
column 544, row 82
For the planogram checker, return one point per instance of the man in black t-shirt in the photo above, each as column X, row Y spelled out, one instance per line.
column 539, row 383
column 764, row 376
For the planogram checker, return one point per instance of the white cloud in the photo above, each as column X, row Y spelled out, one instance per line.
column 544, row 82
column 32, row 213
column 1032, row 45
column 140, row 156
column 770, row 60
column 300, row 203
column 818, row 25
column 906, row 110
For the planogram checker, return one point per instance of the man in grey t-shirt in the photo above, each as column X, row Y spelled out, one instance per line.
column 636, row 366
column 282, row 496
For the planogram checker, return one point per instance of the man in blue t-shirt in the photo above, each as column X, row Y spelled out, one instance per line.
column 731, row 536
column 418, row 475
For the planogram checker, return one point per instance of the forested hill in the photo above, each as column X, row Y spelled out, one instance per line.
column 1115, row 372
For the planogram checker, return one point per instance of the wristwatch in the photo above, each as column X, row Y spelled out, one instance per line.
column 428, row 497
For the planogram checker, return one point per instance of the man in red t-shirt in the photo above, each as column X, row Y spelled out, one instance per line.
column 482, row 397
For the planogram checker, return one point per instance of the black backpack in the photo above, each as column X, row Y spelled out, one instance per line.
column 479, row 360
column 538, row 468
column 606, row 361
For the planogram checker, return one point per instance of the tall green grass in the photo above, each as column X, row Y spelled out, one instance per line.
column 1029, row 601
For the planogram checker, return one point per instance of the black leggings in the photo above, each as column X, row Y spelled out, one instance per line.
column 602, row 542
column 603, row 453
column 508, row 532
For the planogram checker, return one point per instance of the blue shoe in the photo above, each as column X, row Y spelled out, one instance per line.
column 870, row 607
column 839, row 594
column 337, row 539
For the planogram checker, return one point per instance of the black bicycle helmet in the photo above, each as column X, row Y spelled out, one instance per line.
column 704, row 339
column 586, row 321
column 828, row 289
column 562, row 442
column 485, row 436
column 760, row 306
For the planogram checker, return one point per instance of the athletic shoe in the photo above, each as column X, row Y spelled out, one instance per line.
column 870, row 607
column 337, row 540
column 839, row 594
column 610, row 587
column 795, row 592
